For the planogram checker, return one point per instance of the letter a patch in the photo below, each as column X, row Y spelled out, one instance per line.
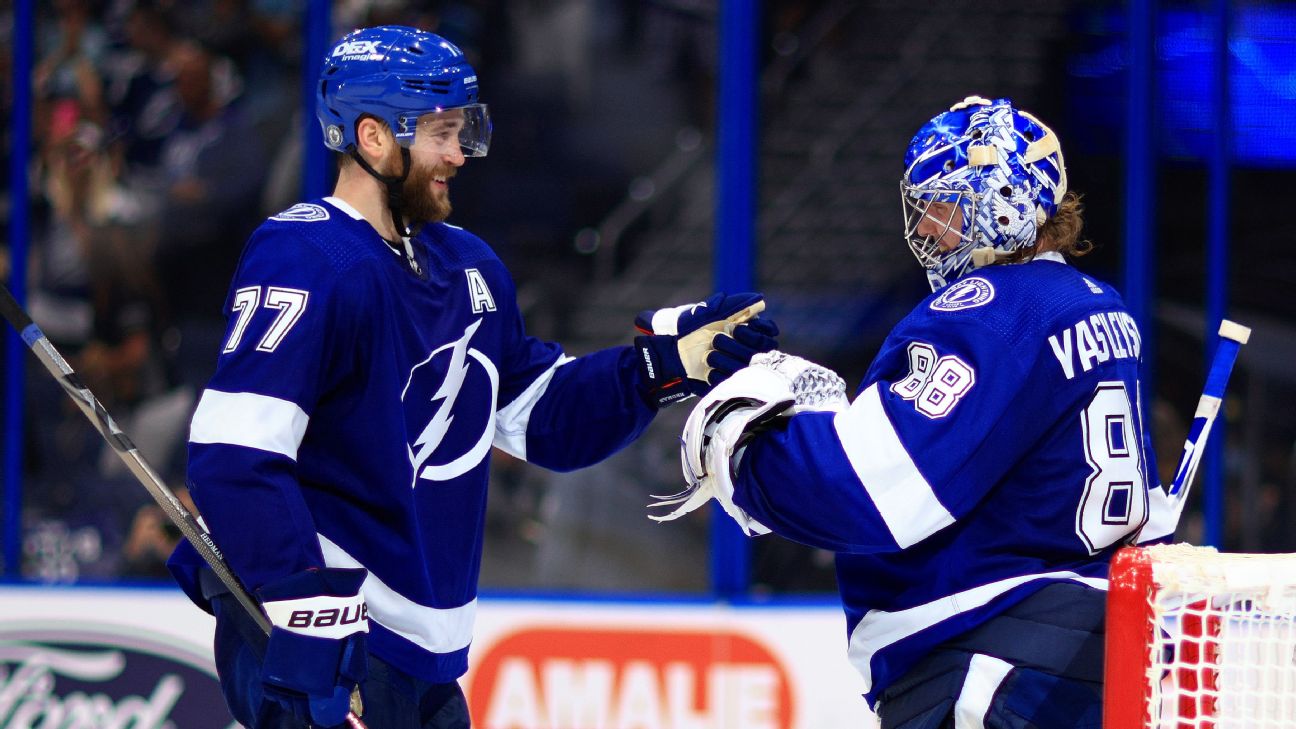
column 478, row 292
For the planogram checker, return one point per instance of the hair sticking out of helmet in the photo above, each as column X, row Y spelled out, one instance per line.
column 397, row 74
column 994, row 170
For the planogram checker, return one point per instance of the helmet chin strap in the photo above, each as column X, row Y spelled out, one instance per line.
column 395, row 186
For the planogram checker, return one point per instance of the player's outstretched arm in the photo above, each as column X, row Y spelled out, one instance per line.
column 573, row 412
column 686, row 350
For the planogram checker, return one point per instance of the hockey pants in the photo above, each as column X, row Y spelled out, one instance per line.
column 1036, row 666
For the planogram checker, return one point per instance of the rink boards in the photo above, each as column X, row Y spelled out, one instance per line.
column 142, row 658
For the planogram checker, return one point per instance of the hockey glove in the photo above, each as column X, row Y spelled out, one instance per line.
column 316, row 653
column 721, row 424
column 686, row 350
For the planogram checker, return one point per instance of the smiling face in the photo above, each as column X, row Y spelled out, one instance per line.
column 435, row 156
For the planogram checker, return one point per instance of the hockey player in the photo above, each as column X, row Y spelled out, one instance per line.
column 994, row 458
column 374, row 355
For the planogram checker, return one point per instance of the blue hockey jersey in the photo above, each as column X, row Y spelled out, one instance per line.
column 354, row 407
column 997, row 444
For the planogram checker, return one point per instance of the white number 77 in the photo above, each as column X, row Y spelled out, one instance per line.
column 290, row 303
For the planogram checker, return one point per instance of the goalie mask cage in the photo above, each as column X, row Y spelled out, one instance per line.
column 1198, row 639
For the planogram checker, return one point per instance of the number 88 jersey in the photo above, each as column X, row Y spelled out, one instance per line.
column 997, row 444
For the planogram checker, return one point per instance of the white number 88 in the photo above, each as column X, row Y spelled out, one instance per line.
column 934, row 384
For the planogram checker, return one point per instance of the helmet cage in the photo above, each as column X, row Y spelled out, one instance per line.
column 916, row 202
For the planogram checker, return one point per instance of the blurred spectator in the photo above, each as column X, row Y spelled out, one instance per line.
column 95, row 294
column 212, row 167
column 152, row 538
column 80, row 185
column 141, row 77
column 72, row 47
column 128, row 361
column 263, row 40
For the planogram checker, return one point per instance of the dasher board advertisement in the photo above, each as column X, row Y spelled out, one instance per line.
column 90, row 658
column 131, row 658
column 650, row 665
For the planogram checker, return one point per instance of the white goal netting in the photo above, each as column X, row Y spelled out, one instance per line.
column 1219, row 638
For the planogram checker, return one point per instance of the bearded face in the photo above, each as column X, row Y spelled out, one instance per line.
column 427, row 193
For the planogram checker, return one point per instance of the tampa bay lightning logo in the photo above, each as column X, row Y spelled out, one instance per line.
column 451, row 423
column 966, row 294
column 303, row 213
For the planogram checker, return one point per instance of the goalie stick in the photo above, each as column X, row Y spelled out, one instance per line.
column 125, row 449
column 1232, row 337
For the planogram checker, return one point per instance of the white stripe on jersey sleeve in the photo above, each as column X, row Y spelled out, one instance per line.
column 511, row 420
column 880, row 629
column 904, row 498
column 440, row 630
column 250, row 420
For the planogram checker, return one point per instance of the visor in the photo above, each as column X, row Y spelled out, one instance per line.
column 473, row 122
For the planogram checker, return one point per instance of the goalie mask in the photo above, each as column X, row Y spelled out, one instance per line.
column 981, row 177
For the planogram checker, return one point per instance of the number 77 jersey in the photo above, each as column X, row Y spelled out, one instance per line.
column 997, row 445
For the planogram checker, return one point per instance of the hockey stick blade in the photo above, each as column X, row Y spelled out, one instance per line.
column 121, row 444
column 1232, row 337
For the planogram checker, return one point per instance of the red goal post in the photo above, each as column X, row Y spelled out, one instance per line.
column 1198, row 639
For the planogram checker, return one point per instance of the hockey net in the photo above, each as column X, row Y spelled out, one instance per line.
column 1198, row 639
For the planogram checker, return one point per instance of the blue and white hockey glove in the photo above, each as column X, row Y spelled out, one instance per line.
column 316, row 653
column 687, row 350
column 715, row 435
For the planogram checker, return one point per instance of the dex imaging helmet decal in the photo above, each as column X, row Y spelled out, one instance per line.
column 451, row 431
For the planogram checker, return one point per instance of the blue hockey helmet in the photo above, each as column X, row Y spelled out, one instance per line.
column 397, row 74
column 998, row 166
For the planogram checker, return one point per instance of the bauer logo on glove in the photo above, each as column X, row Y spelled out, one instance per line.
column 317, row 651
column 687, row 350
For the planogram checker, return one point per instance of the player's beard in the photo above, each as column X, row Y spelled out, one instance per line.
column 425, row 200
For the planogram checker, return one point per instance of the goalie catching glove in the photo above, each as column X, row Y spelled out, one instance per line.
column 316, row 654
column 686, row 350
column 721, row 424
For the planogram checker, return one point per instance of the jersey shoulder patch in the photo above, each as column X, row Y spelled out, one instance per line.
column 968, row 293
column 303, row 213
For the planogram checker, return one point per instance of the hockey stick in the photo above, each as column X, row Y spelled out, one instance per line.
column 121, row 444
column 1232, row 337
